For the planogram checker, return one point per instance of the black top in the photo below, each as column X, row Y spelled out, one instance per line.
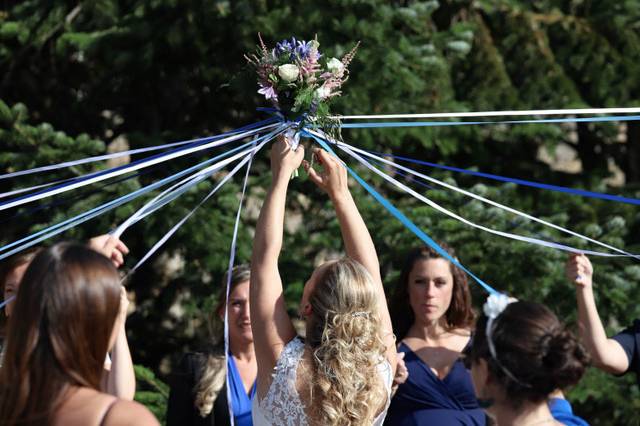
column 181, row 409
column 629, row 339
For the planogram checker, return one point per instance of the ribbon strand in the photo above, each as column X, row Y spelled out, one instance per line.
column 503, row 207
column 402, row 218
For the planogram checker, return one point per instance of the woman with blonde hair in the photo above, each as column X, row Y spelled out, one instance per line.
column 199, row 387
column 341, row 374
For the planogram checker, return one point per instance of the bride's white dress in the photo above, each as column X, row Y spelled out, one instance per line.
column 282, row 405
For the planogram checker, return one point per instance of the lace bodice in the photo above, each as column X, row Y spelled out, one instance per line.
column 282, row 405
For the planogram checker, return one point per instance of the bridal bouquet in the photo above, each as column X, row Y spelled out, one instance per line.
column 299, row 81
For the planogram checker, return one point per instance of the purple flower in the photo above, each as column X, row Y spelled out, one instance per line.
column 268, row 92
column 303, row 49
column 297, row 49
column 285, row 46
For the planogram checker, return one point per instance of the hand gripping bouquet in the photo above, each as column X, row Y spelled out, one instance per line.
column 300, row 82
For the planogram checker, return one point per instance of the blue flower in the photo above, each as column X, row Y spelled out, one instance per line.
column 297, row 49
column 302, row 49
column 285, row 46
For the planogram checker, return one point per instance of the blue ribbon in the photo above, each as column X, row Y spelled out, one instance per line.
column 405, row 220
column 572, row 191
column 395, row 124
column 198, row 142
column 85, row 194
column 49, row 232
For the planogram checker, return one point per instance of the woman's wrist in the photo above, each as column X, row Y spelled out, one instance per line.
column 279, row 183
column 584, row 295
column 584, row 288
column 339, row 198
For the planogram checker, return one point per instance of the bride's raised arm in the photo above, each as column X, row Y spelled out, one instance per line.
column 272, row 327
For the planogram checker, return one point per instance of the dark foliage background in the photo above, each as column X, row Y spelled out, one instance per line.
column 78, row 78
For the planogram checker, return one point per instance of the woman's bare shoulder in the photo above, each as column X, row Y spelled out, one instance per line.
column 125, row 413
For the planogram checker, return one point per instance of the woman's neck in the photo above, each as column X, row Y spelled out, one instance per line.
column 432, row 331
column 528, row 414
column 242, row 351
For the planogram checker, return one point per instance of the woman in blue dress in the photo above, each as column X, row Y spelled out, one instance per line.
column 432, row 319
column 199, row 394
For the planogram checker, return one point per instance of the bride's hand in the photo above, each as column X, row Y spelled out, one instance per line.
column 333, row 177
column 284, row 160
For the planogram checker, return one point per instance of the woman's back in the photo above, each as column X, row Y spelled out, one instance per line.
column 88, row 407
column 287, row 400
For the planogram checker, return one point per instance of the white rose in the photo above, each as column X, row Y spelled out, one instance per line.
column 335, row 66
column 323, row 92
column 495, row 304
column 288, row 72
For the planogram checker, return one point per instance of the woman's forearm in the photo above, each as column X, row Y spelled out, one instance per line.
column 357, row 240
column 267, row 241
column 121, row 379
column 607, row 354
column 271, row 325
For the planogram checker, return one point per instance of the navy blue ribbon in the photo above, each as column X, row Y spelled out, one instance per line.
column 572, row 191
column 404, row 219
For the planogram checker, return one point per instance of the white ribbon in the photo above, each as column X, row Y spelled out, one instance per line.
column 100, row 176
column 232, row 257
column 179, row 188
column 110, row 156
column 31, row 188
column 507, row 208
column 580, row 111
column 162, row 199
column 352, row 151
column 157, row 245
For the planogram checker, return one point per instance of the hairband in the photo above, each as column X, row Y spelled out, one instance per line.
column 493, row 307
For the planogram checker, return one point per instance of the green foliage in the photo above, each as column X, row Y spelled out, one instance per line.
column 151, row 392
column 74, row 80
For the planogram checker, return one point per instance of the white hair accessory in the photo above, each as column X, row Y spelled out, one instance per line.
column 496, row 303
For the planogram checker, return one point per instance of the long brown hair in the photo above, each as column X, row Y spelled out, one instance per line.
column 59, row 333
column 460, row 313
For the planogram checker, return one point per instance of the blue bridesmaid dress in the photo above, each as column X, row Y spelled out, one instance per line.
column 240, row 401
column 425, row 399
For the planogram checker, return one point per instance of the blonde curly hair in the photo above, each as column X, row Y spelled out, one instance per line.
column 343, row 331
